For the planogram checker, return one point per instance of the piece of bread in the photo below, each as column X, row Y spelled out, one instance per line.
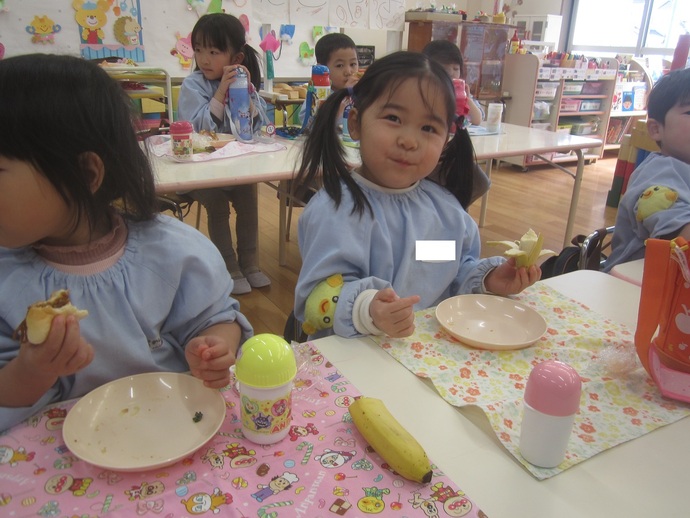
column 39, row 317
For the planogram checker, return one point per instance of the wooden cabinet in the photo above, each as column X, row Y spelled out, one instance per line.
column 545, row 28
column 571, row 100
column 483, row 47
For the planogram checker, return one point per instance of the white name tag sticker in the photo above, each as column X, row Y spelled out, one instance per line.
column 434, row 251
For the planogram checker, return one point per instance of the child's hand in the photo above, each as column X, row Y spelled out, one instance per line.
column 229, row 76
column 63, row 353
column 507, row 279
column 209, row 358
column 393, row 315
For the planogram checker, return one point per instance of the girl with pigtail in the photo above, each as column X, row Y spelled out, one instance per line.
column 369, row 223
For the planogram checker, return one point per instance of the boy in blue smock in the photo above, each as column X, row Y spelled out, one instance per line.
column 656, row 203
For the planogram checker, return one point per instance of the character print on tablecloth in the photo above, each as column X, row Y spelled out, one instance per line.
column 12, row 456
column 60, row 484
column 51, row 508
column 301, row 384
column 276, row 485
column 240, row 457
column 56, row 417
column 110, row 477
column 372, row 501
column 345, row 443
column 363, row 464
column 297, row 432
column 333, row 377
column 263, row 469
column 343, row 401
column 340, row 507
column 155, row 506
column 214, row 459
column 145, row 490
column 200, row 503
column 428, row 505
column 455, row 503
column 187, row 478
column 334, row 459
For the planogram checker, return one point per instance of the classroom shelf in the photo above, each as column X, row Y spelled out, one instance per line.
column 146, row 75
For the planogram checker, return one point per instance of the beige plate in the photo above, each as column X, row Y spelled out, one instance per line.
column 143, row 422
column 490, row 322
column 222, row 140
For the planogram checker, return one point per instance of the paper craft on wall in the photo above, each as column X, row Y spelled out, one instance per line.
column 183, row 50
column 109, row 29
column 270, row 11
column 387, row 14
column 309, row 12
column 349, row 13
column 43, row 30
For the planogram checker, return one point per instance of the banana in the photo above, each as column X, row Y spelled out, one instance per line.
column 390, row 440
column 527, row 250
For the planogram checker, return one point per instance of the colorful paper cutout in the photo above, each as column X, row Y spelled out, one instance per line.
column 43, row 29
column 183, row 50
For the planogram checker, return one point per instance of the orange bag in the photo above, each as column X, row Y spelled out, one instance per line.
column 662, row 338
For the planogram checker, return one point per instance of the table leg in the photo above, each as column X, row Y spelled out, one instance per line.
column 485, row 198
column 283, row 194
column 579, row 172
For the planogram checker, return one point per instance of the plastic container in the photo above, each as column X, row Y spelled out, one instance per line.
column 240, row 106
column 590, row 105
column 461, row 106
column 181, row 139
column 321, row 80
column 552, row 399
column 493, row 116
column 546, row 90
column 572, row 88
column 570, row 105
column 265, row 369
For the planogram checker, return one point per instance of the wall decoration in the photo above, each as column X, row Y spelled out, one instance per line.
column 306, row 54
column 43, row 29
column 108, row 28
column 183, row 50
column 387, row 14
column 349, row 13
column 287, row 32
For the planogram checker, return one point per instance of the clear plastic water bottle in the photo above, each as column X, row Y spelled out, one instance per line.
column 240, row 107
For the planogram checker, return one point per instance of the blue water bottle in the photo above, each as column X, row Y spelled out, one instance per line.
column 240, row 108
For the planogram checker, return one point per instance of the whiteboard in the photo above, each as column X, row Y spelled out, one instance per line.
column 50, row 26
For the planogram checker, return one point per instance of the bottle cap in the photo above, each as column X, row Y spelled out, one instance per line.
column 553, row 388
column 320, row 75
column 181, row 127
column 265, row 361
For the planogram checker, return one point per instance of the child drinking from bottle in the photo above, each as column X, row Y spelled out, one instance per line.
column 220, row 49
column 78, row 212
column 364, row 223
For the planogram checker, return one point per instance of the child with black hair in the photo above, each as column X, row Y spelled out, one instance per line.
column 656, row 202
column 448, row 55
column 155, row 288
column 338, row 52
column 364, row 223
column 220, row 48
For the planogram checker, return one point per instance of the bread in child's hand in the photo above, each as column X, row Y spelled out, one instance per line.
column 39, row 317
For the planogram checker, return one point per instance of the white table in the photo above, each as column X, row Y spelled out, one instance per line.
column 518, row 140
column 279, row 167
column 631, row 271
column 642, row 478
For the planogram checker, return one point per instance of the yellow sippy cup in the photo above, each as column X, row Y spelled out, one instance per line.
column 265, row 369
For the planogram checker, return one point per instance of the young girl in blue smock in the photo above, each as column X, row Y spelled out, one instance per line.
column 78, row 211
column 220, row 48
column 365, row 222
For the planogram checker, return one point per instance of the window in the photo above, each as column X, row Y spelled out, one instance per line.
column 640, row 27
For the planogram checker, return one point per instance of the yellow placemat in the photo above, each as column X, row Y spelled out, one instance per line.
column 619, row 400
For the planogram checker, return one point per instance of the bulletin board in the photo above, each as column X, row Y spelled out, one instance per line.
column 156, row 33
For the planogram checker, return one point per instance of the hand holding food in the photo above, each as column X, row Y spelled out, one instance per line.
column 40, row 315
column 527, row 250
column 390, row 440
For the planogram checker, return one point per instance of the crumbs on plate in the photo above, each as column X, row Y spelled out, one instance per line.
column 197, row 417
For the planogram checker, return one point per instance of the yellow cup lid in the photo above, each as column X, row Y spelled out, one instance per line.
column 265, row 361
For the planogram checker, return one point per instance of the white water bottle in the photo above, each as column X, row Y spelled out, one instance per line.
column 240, row 107
column 552, row 399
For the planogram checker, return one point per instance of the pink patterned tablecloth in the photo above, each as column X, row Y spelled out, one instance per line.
column 619, row 400
column 323, row 468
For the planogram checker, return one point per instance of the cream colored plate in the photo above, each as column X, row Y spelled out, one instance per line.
column 143, row 422
column 490, row 322
column 222, row 140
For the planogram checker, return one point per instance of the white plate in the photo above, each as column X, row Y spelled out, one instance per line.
column 490, row 322
column 143, row 422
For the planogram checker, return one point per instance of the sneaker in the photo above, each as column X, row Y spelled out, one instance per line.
column 241, row 286
column 258, row 279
